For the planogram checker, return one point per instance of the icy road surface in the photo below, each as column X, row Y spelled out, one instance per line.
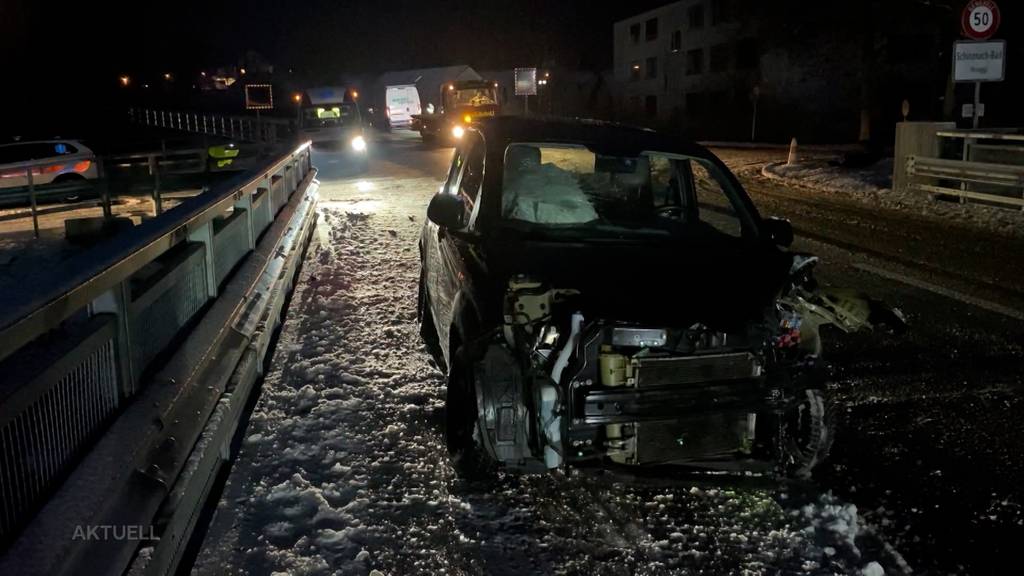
column 343, row 468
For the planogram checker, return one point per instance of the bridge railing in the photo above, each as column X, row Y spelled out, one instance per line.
column 79, row 343
column 267, row 130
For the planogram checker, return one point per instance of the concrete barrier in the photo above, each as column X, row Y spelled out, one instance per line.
column 914, row 139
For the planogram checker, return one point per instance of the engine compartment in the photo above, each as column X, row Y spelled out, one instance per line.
column 558, row 388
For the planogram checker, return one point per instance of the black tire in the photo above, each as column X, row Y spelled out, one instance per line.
column 428, row 138
column 810, row 430
column 71, row 179
column 462, row 430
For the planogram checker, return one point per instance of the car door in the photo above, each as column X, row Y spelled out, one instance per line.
column 14, row 163
column 447, row 271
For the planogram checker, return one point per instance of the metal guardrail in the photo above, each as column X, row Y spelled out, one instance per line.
column 980, row 135
column 985, row 172
column 158, row 164
column 266, row 130
column 64, row 378
column 967, row 172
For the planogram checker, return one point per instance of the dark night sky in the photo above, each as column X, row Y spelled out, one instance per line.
column 75, row 51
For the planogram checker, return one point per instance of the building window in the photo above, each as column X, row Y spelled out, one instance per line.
column 634, row 70
column 696, row 16
column 634, row 33
column 695, row 61
column 721, row 11
column 677, row 40
column 652, row 67
column 651, row 29
column 651, row 105
column 746, row 54
column 720, row 57
column 694, row 102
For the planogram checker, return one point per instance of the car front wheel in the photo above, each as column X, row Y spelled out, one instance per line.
column 462, row 430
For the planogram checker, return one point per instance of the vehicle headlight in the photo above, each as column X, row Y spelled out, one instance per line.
column 458, row 131
column 359, row 144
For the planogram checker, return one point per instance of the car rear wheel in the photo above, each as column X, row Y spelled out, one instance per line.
column 70, row 179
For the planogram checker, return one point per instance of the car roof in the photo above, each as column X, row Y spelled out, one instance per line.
column 596, row 134
column 49, row 141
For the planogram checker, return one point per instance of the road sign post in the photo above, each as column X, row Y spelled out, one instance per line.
column 979, row 61
column 526, row 86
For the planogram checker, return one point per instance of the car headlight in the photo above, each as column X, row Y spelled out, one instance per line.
column 359, row 144
column 458, row 131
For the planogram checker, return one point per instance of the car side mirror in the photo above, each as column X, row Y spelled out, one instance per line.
column 446, row 210
column 779, row 231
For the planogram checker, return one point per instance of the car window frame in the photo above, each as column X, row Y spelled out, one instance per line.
column 453, row 184
column 740, row 202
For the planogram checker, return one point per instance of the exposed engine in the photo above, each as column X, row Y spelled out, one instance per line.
column 559, row 388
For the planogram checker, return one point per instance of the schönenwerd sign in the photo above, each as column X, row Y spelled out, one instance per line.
column 979, row 61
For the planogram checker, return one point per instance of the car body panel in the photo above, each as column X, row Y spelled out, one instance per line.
column 46, row 166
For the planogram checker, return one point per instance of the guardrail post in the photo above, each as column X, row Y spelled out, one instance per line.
column 115, row 301
column 244, row 202
column 104, row 183
column 154, row 171
column 204, row 234
column 32, row 199
column 967, row 156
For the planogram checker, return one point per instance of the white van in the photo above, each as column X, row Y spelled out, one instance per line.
column 402, row 102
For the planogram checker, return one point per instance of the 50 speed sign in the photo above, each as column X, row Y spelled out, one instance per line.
column 980, row 19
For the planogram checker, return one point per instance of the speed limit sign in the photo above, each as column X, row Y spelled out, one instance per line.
column 980, row 19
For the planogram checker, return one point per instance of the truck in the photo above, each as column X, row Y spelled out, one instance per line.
column 462, row 102
column 329, row 117
column 329, row 114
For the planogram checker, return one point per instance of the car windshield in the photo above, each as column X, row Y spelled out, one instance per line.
column 570, row 187
column 328, row 115
column 473, row 97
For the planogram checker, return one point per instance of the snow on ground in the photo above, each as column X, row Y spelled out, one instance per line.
column 343, row 468
column 873, row 185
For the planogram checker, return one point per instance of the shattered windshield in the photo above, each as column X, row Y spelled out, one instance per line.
column 565, row 186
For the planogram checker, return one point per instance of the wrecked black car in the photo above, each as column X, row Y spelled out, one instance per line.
column 607, row 295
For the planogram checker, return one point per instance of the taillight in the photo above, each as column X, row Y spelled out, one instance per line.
column 82, row 166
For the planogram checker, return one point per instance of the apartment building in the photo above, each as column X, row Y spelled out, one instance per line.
column 676, row 63
column 824, row 71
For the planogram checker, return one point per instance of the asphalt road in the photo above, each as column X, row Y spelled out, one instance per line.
column 343, row 468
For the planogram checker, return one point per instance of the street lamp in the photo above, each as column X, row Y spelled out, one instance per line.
column 124, row 80
column 755, row 94
column 242, row 71
column 167, row 76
